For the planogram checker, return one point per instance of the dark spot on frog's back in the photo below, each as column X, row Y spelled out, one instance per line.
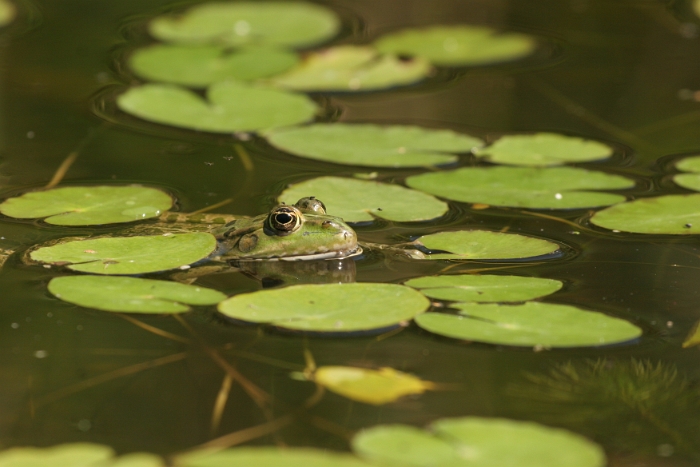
column 247, row 242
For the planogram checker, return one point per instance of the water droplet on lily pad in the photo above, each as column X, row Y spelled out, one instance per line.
column 373, row 145
column 484, row 288
column 670, row 214
column 131, row 294
column 363, row 200
column 269, row 457
column 476, row 442
column 335, row 308
column 232, row 106
column 524, row 187
column 532, row 324
column 286, row 24
column 543, row 149
column 352, row 68
column 128, row 255
column 201, row 65
column 482, row 244
column 460, row 45
column 89, row 205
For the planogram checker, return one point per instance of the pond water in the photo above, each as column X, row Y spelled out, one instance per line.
column 624, row 72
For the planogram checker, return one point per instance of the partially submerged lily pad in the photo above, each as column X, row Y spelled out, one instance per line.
column 375, row 387
column 543, row 149
column 362, row 200
column 130, row 294
column 231, row 107
column 525, row 187
column 352, row 68
column 200, row 66
column 328, row 307
column 373, row 145
column 269, row 457
column 89, row 205
column 288, row 24
column 476, row 442
column 670, row 214
column 129, row 255
column 482, row 244
column 484, row 288
column 533, row 324
column 458, row 45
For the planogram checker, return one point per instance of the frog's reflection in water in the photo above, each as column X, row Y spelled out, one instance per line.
column 276, row 273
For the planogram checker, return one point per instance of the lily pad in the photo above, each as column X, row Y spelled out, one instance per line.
column 477, row 442
column 362, row 200
column 375, row 387
column 129, row 255
column 524, row 187
column 373, row 145
column 287, row 24
column 485, row 288
column 232, row 106
column 269, row 457
column 531, row 324
column 482, row 244
column 7, row 12
column 458, row 45
column 544, row 149
column 689, row 164
column 328, row 307
column 89, row 205
column 200, row 66
column 691, row 181
column 352, row 68
column 130, row 294
column 68, row 455
column 670, row 214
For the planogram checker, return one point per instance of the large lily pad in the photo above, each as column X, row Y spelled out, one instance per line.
column 532, row 324
column 482, row 244
column 200, row 66
column 130, row 294
column 290, row 24
column 525, row 187
column 375, row 387
column 352, row 68
column 232, row 106
column 269, row 457
column 328, row 307
column 458, row 45
column 477, row 442
column 544, row 149
column 361, row 200
column 373, row 145
column 671, row 214
column 129, row 255
column 89, row 205
column 485, row 288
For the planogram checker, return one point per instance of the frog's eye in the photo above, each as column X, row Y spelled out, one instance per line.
column 284, row 220
column 312, row 205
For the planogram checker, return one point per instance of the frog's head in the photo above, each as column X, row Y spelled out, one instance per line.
column 300, row 232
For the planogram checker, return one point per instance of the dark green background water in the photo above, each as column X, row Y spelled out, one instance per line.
column 619, row 71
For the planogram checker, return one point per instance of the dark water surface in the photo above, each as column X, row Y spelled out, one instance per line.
column 623, row 72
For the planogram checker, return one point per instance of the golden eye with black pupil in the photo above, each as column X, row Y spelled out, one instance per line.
column 284, row 220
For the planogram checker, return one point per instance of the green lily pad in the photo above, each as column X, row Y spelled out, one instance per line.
column 688, row 181
column 232, row 107
column 136, row 459
column 374, row 387
column 7, row 12
column 129, row 255
column 689, row 164
column 544, row 149
column 670, row 214
column 130, row 294
column 531, row 324
column 484, row 288
column 373, row 145
column 524, row 187
column 89, row 205
column 352, row 68
column 458, row 45
column 477, row 442
column 287, row 24
column 362, row 200
column 67, row 455
column 482, row 244
column 269, row 457
column 200, row 66
column 328, row 307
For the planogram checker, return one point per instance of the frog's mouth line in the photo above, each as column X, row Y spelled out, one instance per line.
column 313, row 256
